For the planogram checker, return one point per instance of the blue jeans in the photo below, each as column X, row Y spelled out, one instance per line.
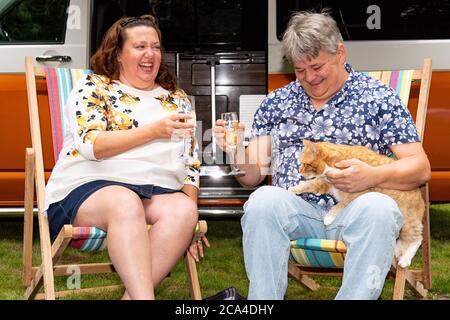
column 369, row 226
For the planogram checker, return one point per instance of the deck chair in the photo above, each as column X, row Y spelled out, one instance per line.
column 326, row 257
column 59, row 84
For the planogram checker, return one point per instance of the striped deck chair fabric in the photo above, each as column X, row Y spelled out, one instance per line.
column 88, row 239
column 321, row 253
column 399, row 80
column 60, row 82
column 310, row 252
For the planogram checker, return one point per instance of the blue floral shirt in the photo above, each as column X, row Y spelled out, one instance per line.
column 364, row 112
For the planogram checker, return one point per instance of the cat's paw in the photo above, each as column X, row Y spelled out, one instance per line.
column 404, row 261
column 400, row 248
column 406, row 252
column 296, row 189
column 328, row 219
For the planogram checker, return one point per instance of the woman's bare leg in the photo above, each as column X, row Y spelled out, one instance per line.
column 120, row 212
column 173, row 218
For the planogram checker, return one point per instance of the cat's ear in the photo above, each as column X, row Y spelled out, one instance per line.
column 310, row 145
column 314, row 148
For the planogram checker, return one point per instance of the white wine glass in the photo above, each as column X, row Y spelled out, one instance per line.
column 186, row 105
column 231, row 126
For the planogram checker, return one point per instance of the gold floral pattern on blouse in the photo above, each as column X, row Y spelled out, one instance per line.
column 120, row 120
column 169, row 102
column 99, row 81
column 128, row 99
column 196, row 164
column 73, row 153
column 90, row 136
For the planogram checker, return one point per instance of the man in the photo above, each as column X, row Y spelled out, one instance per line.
column 329, row 101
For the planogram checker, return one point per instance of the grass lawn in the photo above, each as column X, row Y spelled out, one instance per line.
column 221, row 268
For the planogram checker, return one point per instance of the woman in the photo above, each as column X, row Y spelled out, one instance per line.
column 119, row 168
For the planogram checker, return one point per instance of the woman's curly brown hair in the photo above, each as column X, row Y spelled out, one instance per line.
column 104, row 61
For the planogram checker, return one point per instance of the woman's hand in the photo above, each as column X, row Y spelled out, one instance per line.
column 219, row 134
column 196, row 247
column 173, row 125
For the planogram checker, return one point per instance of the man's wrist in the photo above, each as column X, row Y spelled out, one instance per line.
column 379, row 175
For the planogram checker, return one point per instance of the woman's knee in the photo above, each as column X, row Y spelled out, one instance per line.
column 180, row 209
column 124, row 204
column 112, row 203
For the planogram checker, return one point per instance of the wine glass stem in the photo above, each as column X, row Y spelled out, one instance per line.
column 233, row 159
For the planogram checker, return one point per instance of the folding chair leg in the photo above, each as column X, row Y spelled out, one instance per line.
column 426, row 245
column 35, row 285
column 416, row 287
column 28, row 217
column 42, row 277
column 191, row 270
column 47, row 261
column 399, row 286
column 303, row 279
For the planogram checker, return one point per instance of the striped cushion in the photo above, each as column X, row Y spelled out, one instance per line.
column 94, row 239
column 88, row 239
column 399, row 80
column 309, row 252
column 60, row 82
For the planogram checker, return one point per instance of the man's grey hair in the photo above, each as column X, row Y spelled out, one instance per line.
column 309, row 33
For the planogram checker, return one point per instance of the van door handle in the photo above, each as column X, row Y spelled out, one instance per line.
column 53, row 58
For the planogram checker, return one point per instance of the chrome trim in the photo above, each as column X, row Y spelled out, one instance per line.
column 15, row 212
column 217, row 171
column 220, row 212
column 224, row 193
column 227, row 188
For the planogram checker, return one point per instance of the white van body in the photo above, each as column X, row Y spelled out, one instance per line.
column 369, row 55
column 76, row 44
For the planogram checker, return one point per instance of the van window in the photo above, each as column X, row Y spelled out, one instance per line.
column 32, row 21
column 214, row 26
column 377, row 20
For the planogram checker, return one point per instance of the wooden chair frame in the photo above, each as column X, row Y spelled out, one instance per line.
column 419, row 281
column 36, row 277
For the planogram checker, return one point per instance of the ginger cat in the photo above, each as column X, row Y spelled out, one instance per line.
column 318, row 158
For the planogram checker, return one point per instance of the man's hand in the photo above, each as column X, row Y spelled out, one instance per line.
column 354, row 176
column 219, row 134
